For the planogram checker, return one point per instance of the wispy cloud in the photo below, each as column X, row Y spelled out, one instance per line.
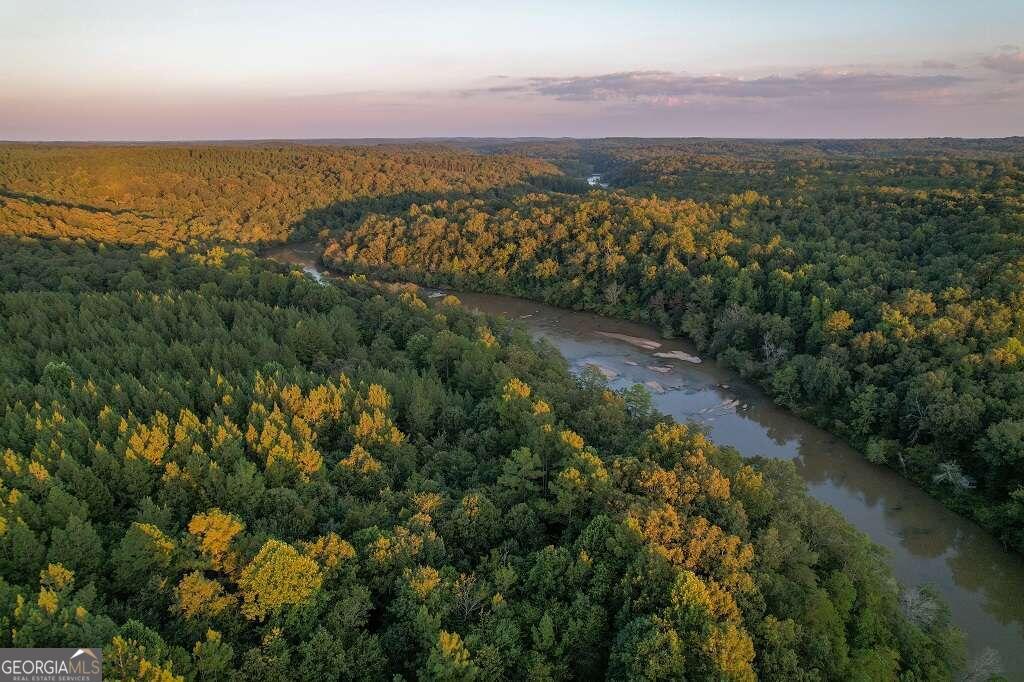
column 938, row 65
column 1009, row 60
column 668, row 88
column 966, row 96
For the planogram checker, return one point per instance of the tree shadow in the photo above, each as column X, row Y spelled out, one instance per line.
column 57, row 203
column 342, row 215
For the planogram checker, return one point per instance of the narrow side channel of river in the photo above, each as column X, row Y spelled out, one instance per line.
column 982, row 583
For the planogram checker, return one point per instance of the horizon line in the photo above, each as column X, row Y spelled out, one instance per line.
column 229, row 140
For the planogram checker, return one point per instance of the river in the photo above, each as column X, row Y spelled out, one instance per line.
column 982, row 583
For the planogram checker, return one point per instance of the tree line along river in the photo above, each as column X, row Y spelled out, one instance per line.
column 982, row 583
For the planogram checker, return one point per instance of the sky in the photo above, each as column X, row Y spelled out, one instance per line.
column 138, row 70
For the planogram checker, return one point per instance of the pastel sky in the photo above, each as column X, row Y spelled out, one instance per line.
column 140, row 70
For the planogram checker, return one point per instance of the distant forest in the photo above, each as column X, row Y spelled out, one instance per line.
column 219, row 469
column 252, row 194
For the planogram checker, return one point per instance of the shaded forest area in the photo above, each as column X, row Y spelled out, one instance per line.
column 250, row 194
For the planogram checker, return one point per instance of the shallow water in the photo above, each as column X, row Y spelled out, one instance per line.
column 982, row 583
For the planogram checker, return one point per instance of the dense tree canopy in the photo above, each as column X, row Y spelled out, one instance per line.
column 222, row 470
column 259, row 193
column 879, row 295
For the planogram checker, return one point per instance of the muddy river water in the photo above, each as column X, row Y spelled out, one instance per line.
column 926, row 543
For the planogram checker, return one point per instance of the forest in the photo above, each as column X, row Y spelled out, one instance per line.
column 878, row 296
column 217, row 468
column 240, row 194
column 223, row 470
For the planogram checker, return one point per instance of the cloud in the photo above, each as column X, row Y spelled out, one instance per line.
column 501, row 89
column 847, row 101
column 938, row 65
column 664, row 87
column 1010, row 60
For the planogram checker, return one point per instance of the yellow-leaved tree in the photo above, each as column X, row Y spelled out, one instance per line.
column 215, row 531
column 277, row 576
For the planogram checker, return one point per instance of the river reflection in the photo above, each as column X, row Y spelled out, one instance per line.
column 982, row 583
